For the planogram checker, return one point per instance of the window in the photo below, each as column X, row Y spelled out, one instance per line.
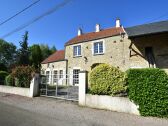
column 77, row 50
column 98, row 48
column 47, row 76
column 55, row 76
column 150, row 56
column 61, row 74
column 76, row 76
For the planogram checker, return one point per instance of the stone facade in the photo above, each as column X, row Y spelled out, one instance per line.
column 158, row 42
column 119, row 51
column 55, row 66
column 116, row 53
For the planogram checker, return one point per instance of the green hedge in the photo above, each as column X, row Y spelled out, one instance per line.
column 3, row 74
column 107, row 80
column 9, row 80
column 148, row 88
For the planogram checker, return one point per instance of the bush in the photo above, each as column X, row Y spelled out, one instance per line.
column 3, row 74
column 22, row 75
column 107, row 80
column 9, row 80
column 148, row 88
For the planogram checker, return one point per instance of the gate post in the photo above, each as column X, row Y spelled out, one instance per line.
column 34, row 86
column 82, row 87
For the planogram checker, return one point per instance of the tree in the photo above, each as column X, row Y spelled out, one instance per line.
column 7, row 53
column 53, row 49
column 46, row 51
column 35, row 56
column 23, row 53
column 3, row 67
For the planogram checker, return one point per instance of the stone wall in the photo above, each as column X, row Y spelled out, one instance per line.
column 120, row 52
column 60, row 65
column 158, row 42
column 116, row 53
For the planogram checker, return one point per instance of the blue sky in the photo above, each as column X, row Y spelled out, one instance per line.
column 62, row 25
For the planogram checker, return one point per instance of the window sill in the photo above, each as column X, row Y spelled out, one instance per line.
column 98, row 54
column 77, row 56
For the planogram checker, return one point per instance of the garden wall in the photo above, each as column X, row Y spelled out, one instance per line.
column 119, row 104
column 28, row 92
column 15, row 90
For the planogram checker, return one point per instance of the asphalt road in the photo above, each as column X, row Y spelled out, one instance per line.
column 22, row 111
column 12, row 116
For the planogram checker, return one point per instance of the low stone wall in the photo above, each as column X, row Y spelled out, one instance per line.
column 28, row 92
column 119, row 104
column 15, row 90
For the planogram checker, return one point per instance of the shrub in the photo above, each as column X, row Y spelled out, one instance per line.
column 9, row 80
column 22, row 75
column 107, row 80
column 148, row 88
column 3, row 74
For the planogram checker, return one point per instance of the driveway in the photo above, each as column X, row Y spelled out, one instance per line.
column 21, row 111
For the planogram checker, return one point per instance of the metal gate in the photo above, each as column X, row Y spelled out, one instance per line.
column 60, row 86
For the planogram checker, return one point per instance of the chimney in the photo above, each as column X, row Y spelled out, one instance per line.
column 79, row 31
column 97, row 27
column 118, row 23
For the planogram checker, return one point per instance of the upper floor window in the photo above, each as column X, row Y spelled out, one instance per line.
column 77, row 50
column 98, row 47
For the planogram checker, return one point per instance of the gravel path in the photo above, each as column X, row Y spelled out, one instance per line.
column 73, row 115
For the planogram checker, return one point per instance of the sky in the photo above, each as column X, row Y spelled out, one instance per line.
column 62, row 25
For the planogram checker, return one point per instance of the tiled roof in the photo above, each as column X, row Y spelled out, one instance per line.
column 95, row 35
column 146, row 29
column 57, row 56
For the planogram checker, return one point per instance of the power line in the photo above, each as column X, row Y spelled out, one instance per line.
column 154, row 19
column 10, row 18
column 37, row 18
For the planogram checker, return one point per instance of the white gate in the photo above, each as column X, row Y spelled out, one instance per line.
column 60, row 86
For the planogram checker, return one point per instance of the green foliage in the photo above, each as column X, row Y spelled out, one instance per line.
column 23, row 75
column 148, row 88
column 3, row 67
column 23, row 53
column 47, row 51
column 36, row 56
column 7, row 53
column 9, row 80
column 3, row 74
column 107, row 80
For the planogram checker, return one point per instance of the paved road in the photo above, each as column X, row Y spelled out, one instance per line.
column 12, row 116
column 22, row 111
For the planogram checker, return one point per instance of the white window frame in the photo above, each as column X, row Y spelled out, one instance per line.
column 77, row 55
column 55, row 76
column 61, row 75
column 98, row 41
column 48, row 78
column 74, row 76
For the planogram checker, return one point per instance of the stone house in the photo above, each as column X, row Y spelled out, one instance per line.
column 134, row 47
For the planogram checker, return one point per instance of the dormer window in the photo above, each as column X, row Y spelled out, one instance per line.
column 77, row 50
column 98, row 48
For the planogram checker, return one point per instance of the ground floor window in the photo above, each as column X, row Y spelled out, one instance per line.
column 61, row 74
column 55, row 76
column 47, row 76
column 76, row 76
